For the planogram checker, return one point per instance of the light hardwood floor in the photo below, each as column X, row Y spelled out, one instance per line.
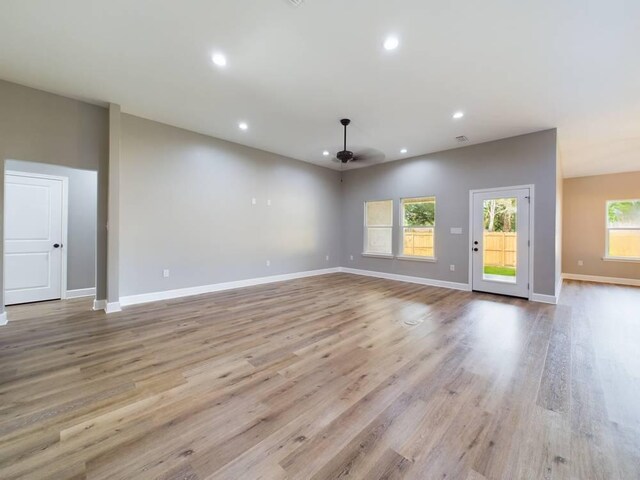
column 338, row 376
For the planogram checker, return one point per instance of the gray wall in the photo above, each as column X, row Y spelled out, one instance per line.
column 185, row 205
column 449, row 175
column 82, row 218
column 41, row 127
column 185, row 198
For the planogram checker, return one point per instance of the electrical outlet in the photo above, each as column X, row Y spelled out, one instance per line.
column 268, row 263
column 268, row 203
column 327, row 258
column 580, row 263
column 165, row 273
column 351, row 258
column 254, row 201
column 452, row 268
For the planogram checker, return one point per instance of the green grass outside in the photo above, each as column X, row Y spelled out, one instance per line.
column 504, row 271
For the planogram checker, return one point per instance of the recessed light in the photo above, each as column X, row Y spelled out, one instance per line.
column 219, row 59
column 325, row 153
column 404, row 150
column 391, row 43
column 458, row 115
column 243, row 126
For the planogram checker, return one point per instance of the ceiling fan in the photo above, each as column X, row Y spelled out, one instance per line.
column 367, row 156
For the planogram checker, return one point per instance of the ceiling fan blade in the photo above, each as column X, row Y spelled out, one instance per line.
column 369, row 156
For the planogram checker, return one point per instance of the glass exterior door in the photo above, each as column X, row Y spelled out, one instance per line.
column 500, row 243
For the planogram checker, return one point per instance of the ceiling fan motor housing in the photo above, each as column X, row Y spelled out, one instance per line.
column 345, row 156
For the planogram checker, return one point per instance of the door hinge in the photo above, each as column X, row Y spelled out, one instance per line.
column 527, row 286
column 528, row 198
column 528, row 243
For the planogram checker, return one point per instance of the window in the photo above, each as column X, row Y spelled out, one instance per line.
column 623, row 229
column 378, row 225
column 418, row 227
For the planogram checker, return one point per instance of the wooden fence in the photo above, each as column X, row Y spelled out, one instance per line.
column 418, row 242
column 624, row 243
column 500, row 249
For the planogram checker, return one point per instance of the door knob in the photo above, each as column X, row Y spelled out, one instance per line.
column 475, row 249
column 476, row 242
column 56, row 245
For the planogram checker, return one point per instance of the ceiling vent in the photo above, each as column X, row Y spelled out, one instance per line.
column 296, row 3
column 462, row 139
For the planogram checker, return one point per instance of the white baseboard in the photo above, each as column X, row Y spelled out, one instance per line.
column 539, row 297
column 218, row 287
column 559, row 286
column 634, row 282
column 3, row 318
column 113, row 307
column 536, row 297
column 99, row 304
column 406, row 278
column 81, row 292
column 550, row 299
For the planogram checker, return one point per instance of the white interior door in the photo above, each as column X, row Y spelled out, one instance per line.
column 33, row 238
column 500, row 241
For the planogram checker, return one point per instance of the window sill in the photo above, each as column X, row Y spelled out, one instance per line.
column 377, row 255
column 417, row 259
column 621, row 259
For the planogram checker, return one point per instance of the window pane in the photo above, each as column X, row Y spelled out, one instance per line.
column 379, row 240
column 418, row 242
column 500, row 240
column 624, row 243
column 624, row 213
column 419, row 212
column 380, row 213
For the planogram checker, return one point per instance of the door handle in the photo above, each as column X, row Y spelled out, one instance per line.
column 57, row 245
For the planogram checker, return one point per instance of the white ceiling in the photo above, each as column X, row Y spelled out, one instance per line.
column 512, row 66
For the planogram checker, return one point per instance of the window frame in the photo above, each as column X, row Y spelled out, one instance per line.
column 419, row 258
column 365, row 231
column 607, row 229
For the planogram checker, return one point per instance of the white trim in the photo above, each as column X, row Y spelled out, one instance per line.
column 65, row 219
column 406, row 278
column 3, row 318
column 532, row 231
column 377, row 255
column 622, row 259
column 559, row 284
column 416, row 258
column 81, row 292
column 218, row 287
column 539, row 297
column 598, row 279
column 99, row 304
column 113, row 307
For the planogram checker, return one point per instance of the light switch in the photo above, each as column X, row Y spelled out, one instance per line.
column 456, row 230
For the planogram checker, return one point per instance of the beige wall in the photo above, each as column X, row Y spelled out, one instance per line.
column 584, row 223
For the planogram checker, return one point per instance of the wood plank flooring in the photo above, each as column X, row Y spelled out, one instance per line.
column 337, row 376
